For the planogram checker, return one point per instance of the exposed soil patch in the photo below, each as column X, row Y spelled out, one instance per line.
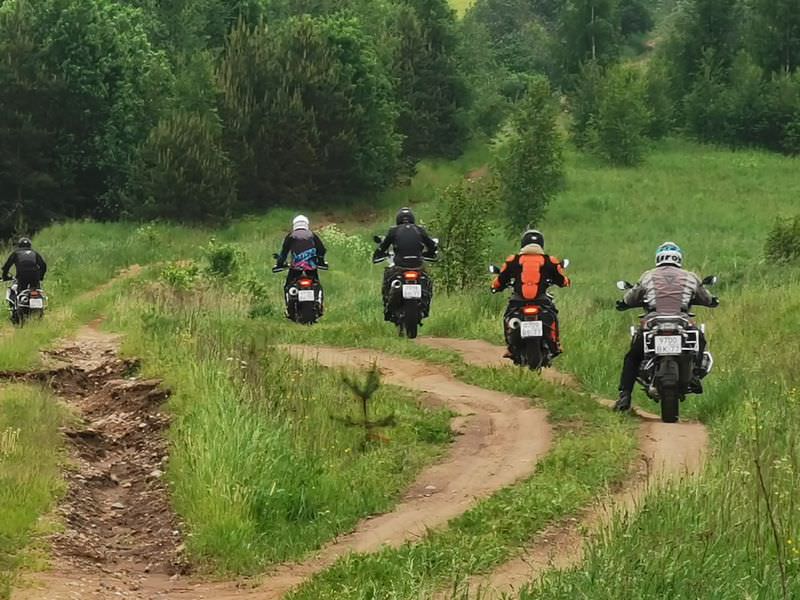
column 119, row 528
column 665, row 451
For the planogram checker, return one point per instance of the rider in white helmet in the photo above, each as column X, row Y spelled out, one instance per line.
column 306, row 249
column 670, row 290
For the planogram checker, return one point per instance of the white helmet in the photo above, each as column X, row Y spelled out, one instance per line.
column 669, row 253
column 300, row 222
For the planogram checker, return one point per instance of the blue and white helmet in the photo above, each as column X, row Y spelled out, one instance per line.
column 669, row 253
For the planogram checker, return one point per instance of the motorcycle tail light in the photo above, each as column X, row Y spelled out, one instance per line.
column 35, row 294
column 411, row 275
column 305, row 283
column 531, row 310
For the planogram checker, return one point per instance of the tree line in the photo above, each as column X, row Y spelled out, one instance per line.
column 201, row 110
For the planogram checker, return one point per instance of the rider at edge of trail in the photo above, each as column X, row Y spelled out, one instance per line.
column 531, row 272
column 411, row 244
column 29, row 265
column 669, row 290
column 306, row 248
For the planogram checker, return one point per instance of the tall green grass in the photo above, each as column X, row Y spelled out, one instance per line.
column 29, row 471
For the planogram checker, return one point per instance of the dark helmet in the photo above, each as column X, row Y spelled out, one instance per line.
column 533, row 236
column 404, row 215
column 24, row 242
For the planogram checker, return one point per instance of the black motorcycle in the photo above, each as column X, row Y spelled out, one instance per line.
column 25, row 304
column 529, row 327
column 303, row 295
column 672, row 366
column 410, row 293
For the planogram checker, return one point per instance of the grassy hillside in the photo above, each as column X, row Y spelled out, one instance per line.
column 237, row 397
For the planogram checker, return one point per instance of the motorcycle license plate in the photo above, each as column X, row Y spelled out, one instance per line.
column 412, row 292
column 305, row 296
column 529, row 329
column 669, row 345
column 36, row 303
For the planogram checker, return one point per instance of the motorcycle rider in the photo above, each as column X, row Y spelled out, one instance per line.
column 670, row 290
column 307, row 250
column 531, row 272
column 29, row 265
column 410, row 244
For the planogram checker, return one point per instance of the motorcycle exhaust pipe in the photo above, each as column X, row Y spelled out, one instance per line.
column 293, row 291
column 514, row 323
column 396, row 284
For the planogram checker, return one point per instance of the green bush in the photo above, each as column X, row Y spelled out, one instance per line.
column 618, row 130
column 464, row 224
column 223, row 260
column 529, row 157
column 783, row 241
column 180, row 276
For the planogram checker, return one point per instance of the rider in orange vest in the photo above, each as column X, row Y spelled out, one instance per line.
column 531, row 272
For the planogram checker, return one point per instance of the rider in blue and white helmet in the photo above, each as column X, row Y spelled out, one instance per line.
column 669, row 290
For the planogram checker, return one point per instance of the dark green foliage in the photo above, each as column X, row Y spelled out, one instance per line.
column 529, row 161
column 83, row 86
column 618, row 130
column 430, row 90
column 463, row 222
column 308, row 111
column 775, row 34
column 634, row 17
column 182, row 173
column 223, row 260
column 584, row 101
column 783, row 242
column 589, row 30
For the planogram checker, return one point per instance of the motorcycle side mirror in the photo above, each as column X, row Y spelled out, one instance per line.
column 711, row 280
column 623, row 285
column 494, row 270
column 565, row 263
column 377, row 239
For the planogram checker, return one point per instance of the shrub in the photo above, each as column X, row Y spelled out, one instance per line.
column 783, row 241
column 463, row 222
column 618, row 130
column 529, row 157
column 223, row 260
column 180, row 275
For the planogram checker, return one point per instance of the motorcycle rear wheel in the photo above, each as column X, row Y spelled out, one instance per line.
column 306, row 313
column 410, row 320
column 670, row 401
column 534, row 357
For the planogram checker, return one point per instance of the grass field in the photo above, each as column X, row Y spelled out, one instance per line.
column 718, row 205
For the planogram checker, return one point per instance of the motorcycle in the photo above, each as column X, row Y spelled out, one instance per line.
column 410, row 294
column 303, row 295
column 26, row 304
column 672, row 345
column 529, row 326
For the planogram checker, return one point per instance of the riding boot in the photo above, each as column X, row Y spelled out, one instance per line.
column 624, row 402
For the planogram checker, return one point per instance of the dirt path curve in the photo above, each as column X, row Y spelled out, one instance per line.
column 500, row 439
column 665, row 451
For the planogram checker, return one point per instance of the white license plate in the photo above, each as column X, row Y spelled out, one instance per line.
column 529, row 329
column 305, row 296
column 412, row 292
column 36, row 303
column 669, row 345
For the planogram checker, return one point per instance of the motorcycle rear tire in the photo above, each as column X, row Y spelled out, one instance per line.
column 306, row 313
column 670, row 401
column 411, row 320
column 534, row 356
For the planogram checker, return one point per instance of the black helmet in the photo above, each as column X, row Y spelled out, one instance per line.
column 533, row 236
column 404, row 215
column 24, row 242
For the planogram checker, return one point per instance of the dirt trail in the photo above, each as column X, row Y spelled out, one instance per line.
column 665, row 451
column 500, row 438
column 119, row 529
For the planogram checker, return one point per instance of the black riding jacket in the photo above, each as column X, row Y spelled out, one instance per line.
column 307, row 250
column 410, row 243
column 28, row 263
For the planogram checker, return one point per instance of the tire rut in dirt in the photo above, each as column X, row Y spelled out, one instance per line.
column 666, row 451
column 118, row 526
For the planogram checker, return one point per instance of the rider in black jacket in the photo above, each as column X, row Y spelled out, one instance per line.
column 29, row 265
column 410, row 244
column 307, row 250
